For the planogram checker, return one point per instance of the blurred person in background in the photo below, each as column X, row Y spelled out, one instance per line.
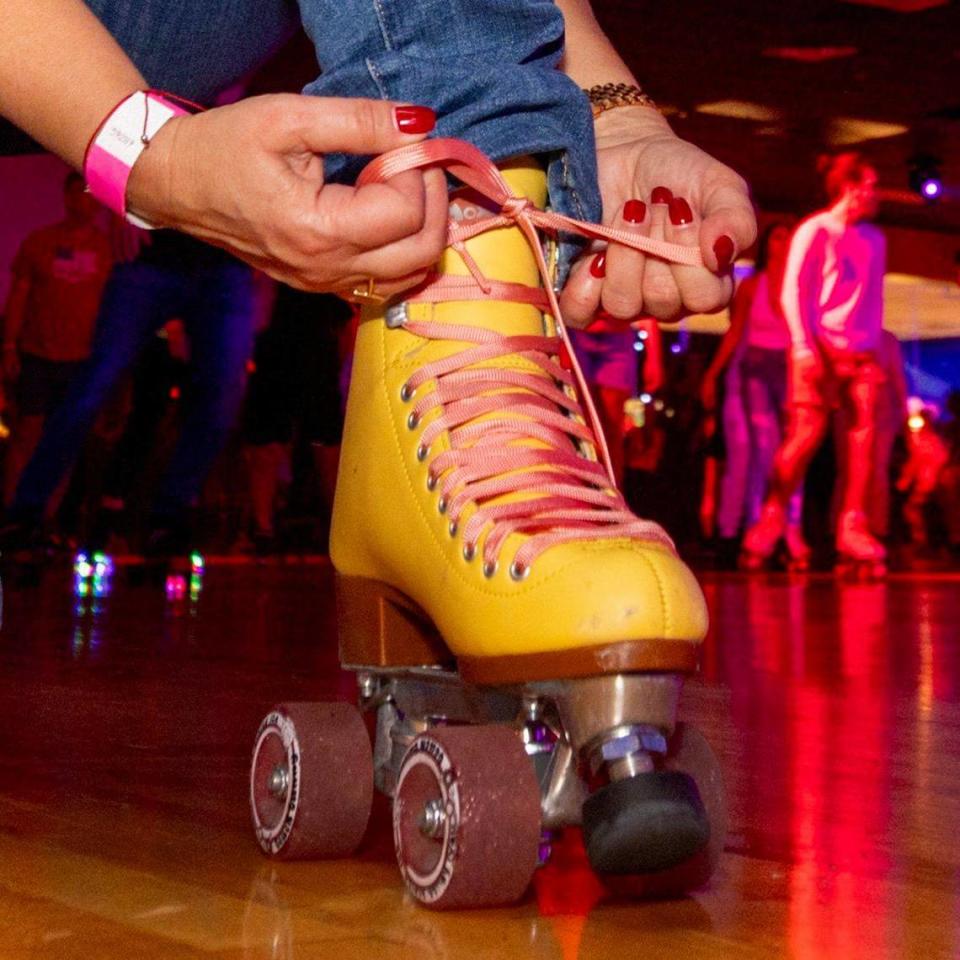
column 608, row 356
column 173, row 276
column 891, row 419
column 832, row 300
column 753, row 358
column 927, row 456
column 294, row 403
column 59, row 274
column 950, row 476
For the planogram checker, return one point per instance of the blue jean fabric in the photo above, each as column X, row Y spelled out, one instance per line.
column 753, row 417
column 197, row 48
column 487, row 67
column 215, row 301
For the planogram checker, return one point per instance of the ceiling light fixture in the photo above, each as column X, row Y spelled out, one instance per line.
column 810, row 54
column 924, row 177
column 740, row 110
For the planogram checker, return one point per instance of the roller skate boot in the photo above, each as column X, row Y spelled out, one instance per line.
column 799, row 553
column 520, row 637
column 859, row 554
column 760, row 541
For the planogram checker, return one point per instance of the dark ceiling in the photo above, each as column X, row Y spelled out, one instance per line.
column 861, row 61
column 804, row 68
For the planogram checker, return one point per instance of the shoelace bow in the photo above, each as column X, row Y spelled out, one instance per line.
column 491, row 414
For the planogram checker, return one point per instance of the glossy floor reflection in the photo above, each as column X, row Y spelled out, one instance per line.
column 126, row 722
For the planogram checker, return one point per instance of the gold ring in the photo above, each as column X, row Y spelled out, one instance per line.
column 368, row 294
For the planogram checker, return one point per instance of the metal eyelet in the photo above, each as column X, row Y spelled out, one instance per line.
column 489, row 569
column 406, row 393
column 519, row 573
column 413, row 421
column 453, row 527
column 422, row 452
column 469, row 551
column 431, row 482
column 442, row 505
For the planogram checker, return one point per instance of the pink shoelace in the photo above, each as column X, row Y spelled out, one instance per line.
column 513, row 431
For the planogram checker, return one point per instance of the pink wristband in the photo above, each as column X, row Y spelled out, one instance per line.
column 118, row 143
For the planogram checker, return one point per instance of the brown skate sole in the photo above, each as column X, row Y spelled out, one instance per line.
column 382, row 627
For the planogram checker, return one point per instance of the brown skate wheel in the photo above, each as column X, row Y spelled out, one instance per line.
column 466, row 817
column 311, row 781
column 689, row 752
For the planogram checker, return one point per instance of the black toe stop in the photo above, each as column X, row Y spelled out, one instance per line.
column 644, row 824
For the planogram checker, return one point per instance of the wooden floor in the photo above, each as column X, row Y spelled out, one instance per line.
column 126, row 724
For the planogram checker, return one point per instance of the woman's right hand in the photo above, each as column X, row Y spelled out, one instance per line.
column 249, row 178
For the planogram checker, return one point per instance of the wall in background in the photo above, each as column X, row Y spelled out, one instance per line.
column 31, row 196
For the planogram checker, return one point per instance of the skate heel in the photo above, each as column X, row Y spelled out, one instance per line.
column 381, row 627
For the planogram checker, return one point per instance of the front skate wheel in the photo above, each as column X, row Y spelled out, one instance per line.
column 466, row 817
column 661, row 833
column 311, row 781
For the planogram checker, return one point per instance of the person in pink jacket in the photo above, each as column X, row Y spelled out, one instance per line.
column 832, row 300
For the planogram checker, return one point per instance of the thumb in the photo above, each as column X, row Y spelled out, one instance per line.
column 355, row 125
column 729, row 225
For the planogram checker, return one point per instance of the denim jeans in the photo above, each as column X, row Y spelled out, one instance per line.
column 487, row 67
column 215, row 301
column 755, row 390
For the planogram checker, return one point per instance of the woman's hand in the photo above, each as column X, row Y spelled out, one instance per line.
column 249, row 178
column 657, row 185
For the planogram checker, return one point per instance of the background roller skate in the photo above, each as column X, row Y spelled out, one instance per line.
column 860, row 556
column 761, row 540
column 519, row 637
column 797, row 552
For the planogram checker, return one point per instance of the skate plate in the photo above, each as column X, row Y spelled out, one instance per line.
column 497, row 754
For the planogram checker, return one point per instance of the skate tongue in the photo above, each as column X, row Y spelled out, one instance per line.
column 502, row 254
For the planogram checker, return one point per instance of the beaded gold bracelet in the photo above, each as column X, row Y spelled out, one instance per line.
column 607, row 96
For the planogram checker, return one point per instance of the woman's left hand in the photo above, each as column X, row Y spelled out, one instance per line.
column 655, row 184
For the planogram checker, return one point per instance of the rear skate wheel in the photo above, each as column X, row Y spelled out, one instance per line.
column 661, row 836
column 311, row 781
column 466, row 818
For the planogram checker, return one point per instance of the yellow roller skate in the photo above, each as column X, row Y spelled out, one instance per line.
column 519, row 634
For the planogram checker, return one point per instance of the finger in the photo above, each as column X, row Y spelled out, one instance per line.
column 419, row 251
column 371, row 216
column 701, row 290
column 347, row 124
column 729, row 223
column 580, row 297
column 661, row 298
column 623, row 285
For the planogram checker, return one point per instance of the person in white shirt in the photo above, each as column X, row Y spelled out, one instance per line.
column 832, row 300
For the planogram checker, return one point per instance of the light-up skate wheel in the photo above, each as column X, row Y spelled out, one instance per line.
column 466, row 817
column 688, row 754
column 311, row 781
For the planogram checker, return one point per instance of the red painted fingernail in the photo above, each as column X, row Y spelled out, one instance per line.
column 661, row 195
column 634, row 211
column 680, row 212
column 414, row 119
column 598, row 265
column 723, row 248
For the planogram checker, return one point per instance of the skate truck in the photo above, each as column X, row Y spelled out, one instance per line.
column 519, row 637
